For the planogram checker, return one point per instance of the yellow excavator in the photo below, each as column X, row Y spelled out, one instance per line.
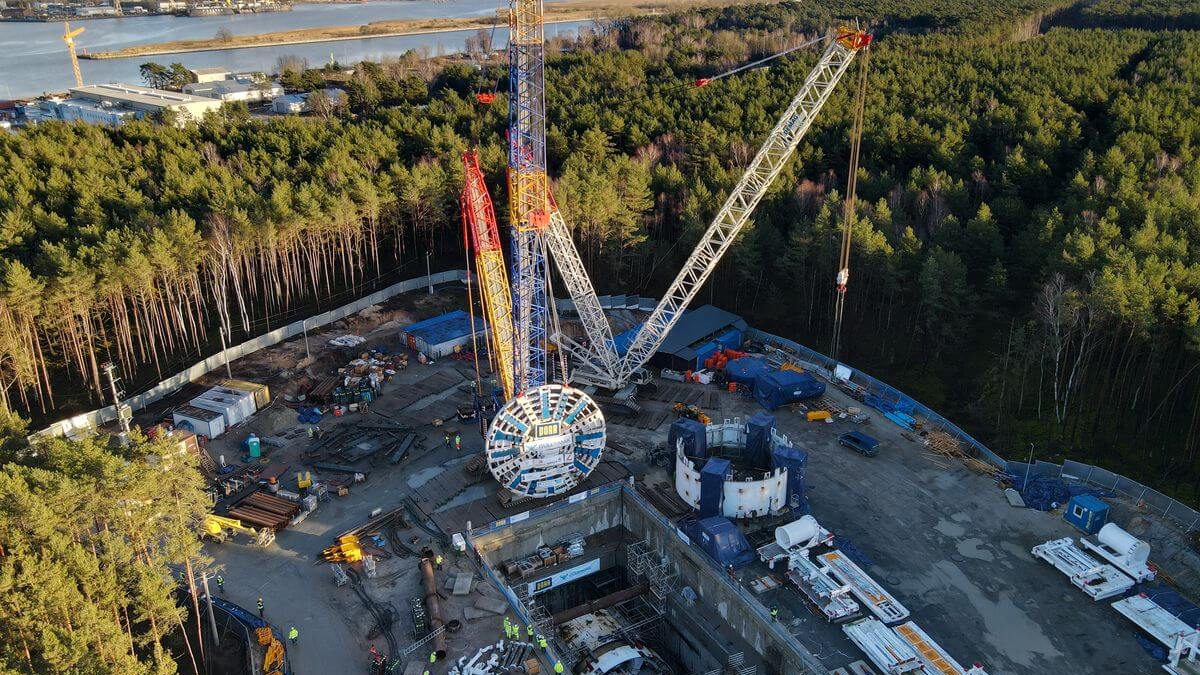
column 219, row 529
column 273, row 656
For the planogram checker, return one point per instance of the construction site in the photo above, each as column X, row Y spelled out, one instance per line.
column 516, row 475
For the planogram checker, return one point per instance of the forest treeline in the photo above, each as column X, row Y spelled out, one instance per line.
column 1026, row 247
column 93, row 544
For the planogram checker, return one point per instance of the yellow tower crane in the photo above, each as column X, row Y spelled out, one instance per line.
column 69, row 38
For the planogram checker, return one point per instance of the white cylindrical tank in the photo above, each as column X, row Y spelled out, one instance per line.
column 798, row 533
column 1125, row 544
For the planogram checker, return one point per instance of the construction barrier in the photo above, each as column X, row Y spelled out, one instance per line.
column 90, row 420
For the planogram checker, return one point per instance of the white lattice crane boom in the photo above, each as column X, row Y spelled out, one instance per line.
column 735, row 213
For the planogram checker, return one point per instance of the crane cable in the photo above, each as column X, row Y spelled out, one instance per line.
column 848, row 208
column 705, row 81
column 471, row 307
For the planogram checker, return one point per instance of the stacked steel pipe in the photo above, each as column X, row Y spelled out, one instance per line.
column 265, row 510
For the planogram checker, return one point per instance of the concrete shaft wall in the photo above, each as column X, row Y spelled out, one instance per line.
column 550, row 526
column 744, row 615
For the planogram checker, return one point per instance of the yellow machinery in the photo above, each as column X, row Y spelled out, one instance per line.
column 69, row 38
column 346, row 550
column 273, row 659
column 219, row 529
column 479, row 219
column 692, row 412
column 303, row 480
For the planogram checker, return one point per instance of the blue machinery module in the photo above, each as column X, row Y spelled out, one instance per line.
column 545, row 441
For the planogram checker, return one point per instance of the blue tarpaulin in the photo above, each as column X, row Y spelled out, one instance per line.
column 1045, row 492
column 795, row 461
column 712, row 486
column 758, row 440
column 775, row 388
column 1170, row 600
column 721, row 540
column 624, row 340
column 746, row 369
column 693, row 434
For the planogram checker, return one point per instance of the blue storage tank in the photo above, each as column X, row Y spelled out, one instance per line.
column 712, row 486
column 1086, row 513
column 781, row 387
column 758, row 440
column 721, row 540
column 694, row 435
column 746, row 369
column 796, row 463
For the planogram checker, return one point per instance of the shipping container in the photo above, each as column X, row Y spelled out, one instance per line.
column 262, row 394
column 237, row 406
column 199, row 421
column 1087, row 513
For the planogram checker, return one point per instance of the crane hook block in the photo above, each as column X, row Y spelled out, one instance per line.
column 851, row 38
column 703, row 82
column 485, row 98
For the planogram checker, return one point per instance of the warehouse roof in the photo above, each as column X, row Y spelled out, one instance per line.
column 448, row 326
column 132, row 93
column 697, row 325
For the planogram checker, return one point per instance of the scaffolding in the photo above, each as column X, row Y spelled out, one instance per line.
column 644, row 563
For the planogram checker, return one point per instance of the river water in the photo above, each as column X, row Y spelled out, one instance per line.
column 34, row 60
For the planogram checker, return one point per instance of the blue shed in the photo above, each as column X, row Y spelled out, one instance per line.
column 721, row 540
column 1087, row 513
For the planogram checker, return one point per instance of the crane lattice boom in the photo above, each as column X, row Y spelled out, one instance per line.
column 734, row 214
column 480, row 220
column 528, row 189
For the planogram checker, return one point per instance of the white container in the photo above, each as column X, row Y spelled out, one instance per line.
column 199, row 421
column 236, row 406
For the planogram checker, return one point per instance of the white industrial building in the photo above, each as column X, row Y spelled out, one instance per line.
column 234, row 90
column 294, row 104
column 204, row 75
column 141, row 101
column 72, row 109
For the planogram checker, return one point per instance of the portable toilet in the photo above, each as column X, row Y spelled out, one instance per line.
column 1087, row 513
column 253, row 446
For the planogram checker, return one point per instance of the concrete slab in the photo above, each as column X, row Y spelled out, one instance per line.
column 472, row 613
column 496, row 607
column 462, row 585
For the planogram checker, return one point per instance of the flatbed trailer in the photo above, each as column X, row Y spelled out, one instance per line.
column 1182, row 641
column 832, row 599
column 878, row 601
column 935, row 659
column 1099, row 581
column 883, row 647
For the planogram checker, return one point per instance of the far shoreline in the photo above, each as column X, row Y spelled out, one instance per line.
column 154, row 50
